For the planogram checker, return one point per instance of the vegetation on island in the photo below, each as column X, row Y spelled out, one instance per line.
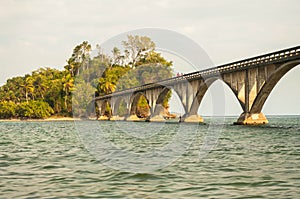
column 47, row 91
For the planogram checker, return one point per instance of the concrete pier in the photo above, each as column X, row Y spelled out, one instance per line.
column 252, row 119
column 193, row 119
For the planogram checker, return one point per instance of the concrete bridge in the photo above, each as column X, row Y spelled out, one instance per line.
column 251, row 80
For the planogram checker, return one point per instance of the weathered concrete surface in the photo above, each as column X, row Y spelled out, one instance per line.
column 117, row 118
column 252, row 119
column 159, row 114
column 157, row 118
column 103, row 118
column 193, row 119
column 134, row 118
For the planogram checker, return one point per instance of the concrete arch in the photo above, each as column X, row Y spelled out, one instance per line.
column 159, row 110
column 134, row 101
column 236, row 93
column 220, row 100
column 103, row 115
column 270, row 84
column 164, row 93
column 204, row 85
column 203, row 88
column 117, row 104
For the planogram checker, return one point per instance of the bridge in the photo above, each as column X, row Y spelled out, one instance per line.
column 251, row 80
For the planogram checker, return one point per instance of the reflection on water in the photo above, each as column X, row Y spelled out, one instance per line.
column 44, row 159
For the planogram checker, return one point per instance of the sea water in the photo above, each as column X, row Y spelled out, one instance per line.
column 55, row 160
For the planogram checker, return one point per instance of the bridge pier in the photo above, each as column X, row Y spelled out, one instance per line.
column 134, row 118
column 252, row 119
column 157, row 118
column 195, row 118
column 158, row 114
column 117, row 118
column 103, row 118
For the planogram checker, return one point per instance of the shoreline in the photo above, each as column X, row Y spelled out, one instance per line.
column 50, row 119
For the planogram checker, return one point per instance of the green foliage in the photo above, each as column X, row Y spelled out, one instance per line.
column 136, row 46
column 110, row 79
column 166, row 99
column 143, row 102
column 34, row 110
column 82, row 98
column 108, row 110
column 79, row 61
column 49, row 91
column 7, row 110
column 153, row 57
column 122, row 111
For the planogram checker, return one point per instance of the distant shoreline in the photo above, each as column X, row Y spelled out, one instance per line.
column 70, row 119
column 50, row 119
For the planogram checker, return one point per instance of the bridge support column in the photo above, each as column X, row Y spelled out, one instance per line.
column 101, row 108
column 117, row 118
column 158, row 115
column 134, row 118
column 103, row 118
column 195, row 118
column 252, row 119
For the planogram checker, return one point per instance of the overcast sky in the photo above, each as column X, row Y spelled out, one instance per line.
column 38, row 33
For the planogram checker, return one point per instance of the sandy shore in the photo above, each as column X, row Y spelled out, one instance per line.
column 50, row 119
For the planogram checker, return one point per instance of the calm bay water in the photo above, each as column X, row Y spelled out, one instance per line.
column 48, row 160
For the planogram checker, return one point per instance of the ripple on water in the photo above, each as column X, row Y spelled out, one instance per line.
column 44, row 159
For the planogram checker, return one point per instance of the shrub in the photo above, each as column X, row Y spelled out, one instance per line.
column 7, row 110
column 34, row 110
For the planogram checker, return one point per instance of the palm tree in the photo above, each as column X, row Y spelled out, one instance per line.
column 105, row 86
column 116, row 56
column 68, row 84
column 40, row 85
column 28, row 87
column 80, row 57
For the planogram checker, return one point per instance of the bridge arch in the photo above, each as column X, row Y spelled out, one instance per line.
column 203, row 87
column 270, row 83
column 220, row 108
column 159, row 107
column 120, row 108
column 134, row 103
column 104, row 109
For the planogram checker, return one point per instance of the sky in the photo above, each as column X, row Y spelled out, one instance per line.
column 38, row 34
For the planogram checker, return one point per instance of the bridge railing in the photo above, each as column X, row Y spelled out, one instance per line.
column 274, row 57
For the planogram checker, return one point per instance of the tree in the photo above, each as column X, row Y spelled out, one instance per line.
column 135, row 46
column 68, row 84
column 34, row 110
column 28, row 87
column 82, row 98
column 80, row 58
column 40, row 83
column 116, row 56
column 7, row 110
column 153, row 57
column 110, row 79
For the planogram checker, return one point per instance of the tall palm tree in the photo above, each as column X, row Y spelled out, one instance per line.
column 28, row 87
column 40, row 85
column 80, row 57
column 68, row 84
column 105, row 86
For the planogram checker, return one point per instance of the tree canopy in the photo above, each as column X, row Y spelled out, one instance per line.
column 49, row 91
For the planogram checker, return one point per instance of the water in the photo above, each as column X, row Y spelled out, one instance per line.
column 48, row 160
